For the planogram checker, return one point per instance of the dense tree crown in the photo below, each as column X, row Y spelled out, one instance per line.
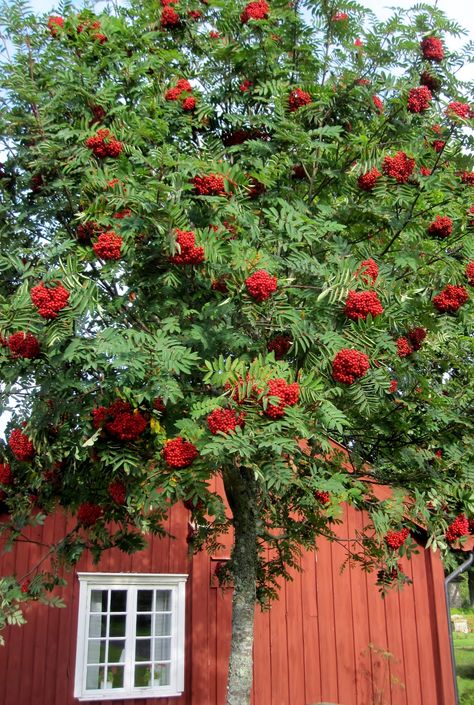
column 226, row 228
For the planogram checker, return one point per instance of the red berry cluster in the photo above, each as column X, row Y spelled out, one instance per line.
column 108, row 246
column 323, row 498
column 169, row 18
column 451, row 298
column 189, row 253
column 399, row 167
column 395, row 539
column 280, row 345
column 24, row 345
column 419, row 99
column 245, row 86
column 438, row 145
column 159, row 405
column 432, row 49
column 55, row 23
column 404, row 349
column 367, row 271
column 49, row 300
column 195, row 15
column 224, row 420
column 441, row 227
column 417, row 336
column 425, row 171
column 288, row 394
column 120, row 420
column 462, row 110
column 211, row 185
column 255, row 11
column 297, row 99
column 256, row 188
column 261, row 285
column 387, row 577
column 219, row 285
column 470, row 272
column 88, row 514
column 103, row 144
column 349, row 365
column 86, row 231
column 378, row 104
column 430, row 81
column 393, row 386
column 459, row 527
column 21, row 446
column 179, row 453
column 6, row 475
column 360, row 304
column 182, row 87
column 98, row 112
column 120, row 215
column 368, row 180
column 467, row 177
column 298, row 172
column 117, row 492
column 91, row 28
column 339, row 17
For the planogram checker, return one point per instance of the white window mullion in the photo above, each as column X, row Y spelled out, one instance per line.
column 130, row 632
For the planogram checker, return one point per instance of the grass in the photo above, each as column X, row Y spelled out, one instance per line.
column 464, row 651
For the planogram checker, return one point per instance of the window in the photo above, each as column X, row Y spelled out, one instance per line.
column 130, row 636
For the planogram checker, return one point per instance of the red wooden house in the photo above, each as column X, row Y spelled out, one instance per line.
column 156, row 626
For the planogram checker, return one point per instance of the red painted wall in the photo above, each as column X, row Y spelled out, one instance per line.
column 330, row 637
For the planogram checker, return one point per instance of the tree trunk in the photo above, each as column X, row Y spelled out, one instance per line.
column 241, row 488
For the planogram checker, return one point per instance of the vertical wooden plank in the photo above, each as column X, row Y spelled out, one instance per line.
column 441, row 631
column 409, row 637
column 360, row 616
column 262, row 665
column 378, row 643
column 224, row 623
column 279, row 649
column 395, row 646
column 423, row 629
column 343, row 622
column 326, row 609
column 294, row 620
column 200, row 631
column 310, row 643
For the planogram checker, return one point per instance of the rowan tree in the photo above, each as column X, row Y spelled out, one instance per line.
column 231, row 235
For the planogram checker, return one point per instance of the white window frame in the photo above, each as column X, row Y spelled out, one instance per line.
column 132, row 582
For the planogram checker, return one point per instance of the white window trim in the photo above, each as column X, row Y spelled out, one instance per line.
column 177, row 584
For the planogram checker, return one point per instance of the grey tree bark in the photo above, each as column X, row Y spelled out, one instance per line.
column 241, row 489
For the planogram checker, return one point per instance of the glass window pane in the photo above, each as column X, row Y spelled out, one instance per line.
column 163, row 649
column 95, row 677
column 116, row 651
column 97, row 625
column 143, row 650
column 145, row 601
column 114, row 677
column 161, row 674
column 162, row 625
column 163, row 600
column 142, row 675
column 143, row 625
column 117, row 625
column 96, row 651
column 118, row 601
column 99, row 600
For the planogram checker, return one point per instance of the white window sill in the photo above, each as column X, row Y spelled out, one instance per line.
column 116, row 694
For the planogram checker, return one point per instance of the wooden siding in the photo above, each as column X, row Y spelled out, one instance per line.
column 330, row 637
